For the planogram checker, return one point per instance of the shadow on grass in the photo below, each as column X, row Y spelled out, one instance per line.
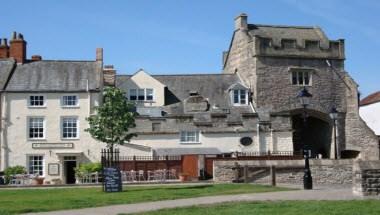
column 125, row 189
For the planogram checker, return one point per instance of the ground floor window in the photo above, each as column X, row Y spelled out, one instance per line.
column 189, row 136
column 36, row 164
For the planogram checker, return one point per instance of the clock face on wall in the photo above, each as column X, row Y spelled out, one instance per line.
column 246, row 141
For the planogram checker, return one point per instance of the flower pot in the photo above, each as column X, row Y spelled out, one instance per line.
column 183, row 177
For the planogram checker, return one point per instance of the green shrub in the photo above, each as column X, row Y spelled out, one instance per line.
column 13, row 171
column 87, row 168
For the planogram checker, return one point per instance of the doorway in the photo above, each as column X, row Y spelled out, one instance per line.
column 69, row 165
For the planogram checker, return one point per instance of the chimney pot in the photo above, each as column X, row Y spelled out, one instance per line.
column 14, row 35
column 36, row 58
column 241, row 22
column 99, row 54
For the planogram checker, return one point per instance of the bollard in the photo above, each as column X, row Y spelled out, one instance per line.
column 273, row 175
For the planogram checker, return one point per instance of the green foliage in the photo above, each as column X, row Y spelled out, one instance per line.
column 13, row 171
column 113, row 119
column 87, row 168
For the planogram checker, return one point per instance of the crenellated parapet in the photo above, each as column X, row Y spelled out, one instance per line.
column 300, row 48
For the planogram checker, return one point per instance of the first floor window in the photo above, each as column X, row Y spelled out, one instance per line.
column 36, row 127
column 36, row 101
column 301, row 78
column 35, row 165
column 69, row 100
column 189, row 136
column 69, row 128
column 240, row 97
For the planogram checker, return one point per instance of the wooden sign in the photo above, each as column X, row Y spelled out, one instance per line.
column 52, row 145
column 112, row 179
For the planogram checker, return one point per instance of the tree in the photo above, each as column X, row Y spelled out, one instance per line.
column 113, row 119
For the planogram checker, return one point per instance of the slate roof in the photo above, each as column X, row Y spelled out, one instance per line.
column 57, row 76
column 373, row 98
column 214, row 87
column 6, row 67
column 299, row 33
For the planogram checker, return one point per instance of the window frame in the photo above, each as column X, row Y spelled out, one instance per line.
column 77, row 128
column 36, row 106
column 138, row 94
column 197, row 137
column 28, row 161
column 239, row 90
column 297, row 71
column 69, row 106
column 43, row 127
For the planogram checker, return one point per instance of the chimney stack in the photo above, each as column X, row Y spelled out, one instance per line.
column 241, row 22
column 109, row 74
column 17, row 48
column 99, row 54
column 4, row 48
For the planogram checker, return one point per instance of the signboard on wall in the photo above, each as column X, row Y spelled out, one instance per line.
column 112, row 179
column 52, row 145
column 53, row 169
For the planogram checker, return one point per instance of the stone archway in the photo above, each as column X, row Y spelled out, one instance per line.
column 316, row 135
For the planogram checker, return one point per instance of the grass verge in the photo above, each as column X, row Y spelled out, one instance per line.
column 38, row 200
column 354, row 207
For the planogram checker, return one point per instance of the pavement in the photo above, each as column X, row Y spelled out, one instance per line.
column 319, row 193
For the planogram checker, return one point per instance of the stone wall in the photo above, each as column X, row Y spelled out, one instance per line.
column 366, row 180
column 288, row 171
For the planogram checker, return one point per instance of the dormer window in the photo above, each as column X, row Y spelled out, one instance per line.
column 240, row 97
column 145, row 94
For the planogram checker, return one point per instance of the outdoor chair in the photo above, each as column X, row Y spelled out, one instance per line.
column 140, row 175
column 151, row 175
column 172, row 174
column 131, row 175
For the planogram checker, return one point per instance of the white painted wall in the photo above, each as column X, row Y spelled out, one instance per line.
column 371, row 115
column 15, row 132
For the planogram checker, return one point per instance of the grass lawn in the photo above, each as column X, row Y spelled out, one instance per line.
column 36, row 200
column 355, row 207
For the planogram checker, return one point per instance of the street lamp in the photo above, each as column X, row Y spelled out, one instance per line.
column 334, row 116
column 305, row 97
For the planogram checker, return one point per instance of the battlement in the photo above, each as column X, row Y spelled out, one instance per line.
column 288, row 47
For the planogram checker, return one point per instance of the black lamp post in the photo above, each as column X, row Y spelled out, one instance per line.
column 334, row 116
column 305, row 97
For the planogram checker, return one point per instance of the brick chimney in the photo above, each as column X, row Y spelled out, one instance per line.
column 17, row 48
column 99, row 54
column 4, row 48
column 109, row 74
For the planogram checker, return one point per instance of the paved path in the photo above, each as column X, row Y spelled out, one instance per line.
column 323, row 193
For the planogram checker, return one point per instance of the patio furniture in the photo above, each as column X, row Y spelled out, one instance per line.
column 141, row 175
column 172, row 174
column 151, row 175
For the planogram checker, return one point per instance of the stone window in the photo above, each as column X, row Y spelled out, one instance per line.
column 239, row 97
column 189, row 137
column 145, row 94
column 69, row 128
column 37, row 101
column 301, row 77
column 69, row 101
column 36, row 128
column 36, row 165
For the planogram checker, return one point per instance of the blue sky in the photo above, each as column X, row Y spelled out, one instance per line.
column 182, row 36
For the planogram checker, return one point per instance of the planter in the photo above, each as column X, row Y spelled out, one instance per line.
column 183, row 177
column 38, row 181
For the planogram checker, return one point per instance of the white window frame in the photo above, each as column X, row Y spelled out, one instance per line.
column 145, row 90
column 63, row 101
column 43, row 127
column 28, row 163
column 36, row 106
column 62, row 128
column 239, row 97
column 303, row 71
column 186, row 138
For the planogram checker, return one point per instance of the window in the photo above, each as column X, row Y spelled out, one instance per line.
column 133, row 94
column 301, row 78
column 71, row 100
column 240, row 97
column 36, row 165
column 69, row 128
column 189, row 136
column 156, row 126
column 36, row 101
column 36, row 128
column 145, row 94
column 149, row 94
